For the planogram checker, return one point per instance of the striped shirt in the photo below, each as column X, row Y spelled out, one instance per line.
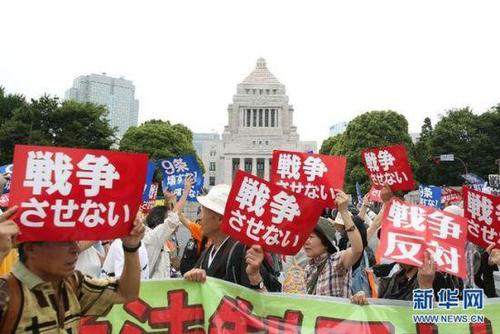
column 39, row 315
column 334, row 280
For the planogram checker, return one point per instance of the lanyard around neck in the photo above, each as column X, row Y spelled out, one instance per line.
column 212, row 254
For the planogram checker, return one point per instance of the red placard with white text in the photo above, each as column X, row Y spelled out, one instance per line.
column 374, row 194
column 389, row 165
column 75, row 194
column 449, row 195
column 313, row 175
column 483, row 213
column 409, row 230
column 261, row 213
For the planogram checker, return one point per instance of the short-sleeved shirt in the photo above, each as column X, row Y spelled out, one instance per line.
column 334, row 280
column 92, row 297
column 115, row 260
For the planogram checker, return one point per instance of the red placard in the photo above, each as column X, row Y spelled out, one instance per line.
column 261, row 213
column 409, row 230
column 389, row 165
column 374, row 194
column 483, row 214
column 313, row 175
column 75, row 194
column 450, row 195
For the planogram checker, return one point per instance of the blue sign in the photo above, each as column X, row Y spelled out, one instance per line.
column 430, row 195
column 174, row 172
column 149, row 180
column 7, row 169
column 473, row 178
column 359, row 193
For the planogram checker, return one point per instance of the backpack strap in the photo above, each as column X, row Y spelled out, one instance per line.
column 231, row 251
column 14, row 300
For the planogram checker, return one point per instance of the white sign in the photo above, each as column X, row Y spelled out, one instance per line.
column 447, row 157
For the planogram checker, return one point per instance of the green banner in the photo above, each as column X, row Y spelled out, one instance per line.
column 177, row 306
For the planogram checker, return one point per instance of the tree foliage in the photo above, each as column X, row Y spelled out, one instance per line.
column 371, row 129
column 426, row 171
column 470, row 137
column 159, row 139
column 46, row 121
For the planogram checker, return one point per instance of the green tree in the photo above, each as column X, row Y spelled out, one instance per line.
column 326, row 146
column 426, row 171
column 470, row 137
column 489, row 125
column 8, row 104
column 371, row 129
column 45, row 121
column 332, row 144
column 458, row 133
column 159, row 139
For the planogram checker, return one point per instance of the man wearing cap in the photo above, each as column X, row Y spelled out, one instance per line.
column 44, row 293
column 228, row 259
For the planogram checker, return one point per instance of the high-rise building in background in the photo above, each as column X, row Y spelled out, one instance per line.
column 260, row 120
column 116, row 94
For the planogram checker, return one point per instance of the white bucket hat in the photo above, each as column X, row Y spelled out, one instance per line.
column 216, row 198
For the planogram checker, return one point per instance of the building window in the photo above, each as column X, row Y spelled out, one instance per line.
column 266, row 118
column 247, row 91
column 212, row 167
column 273, row 115
column 260, row 117
column 254, row 117
column 267, row 142
column 267, row 91
column 211, row 181
column 260, row 168
column 248, row 165
column 274, row 91
column 260, row 91
column 253, row 91
column 236, row 165
column 249, row 117
column 212, row 153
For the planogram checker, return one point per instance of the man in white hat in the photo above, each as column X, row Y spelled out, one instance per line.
column 226, row 258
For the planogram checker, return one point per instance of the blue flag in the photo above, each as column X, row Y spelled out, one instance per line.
column 174, row 172
column 430, row 196
column 6, row 169
column 359, row 193
column 149, row 180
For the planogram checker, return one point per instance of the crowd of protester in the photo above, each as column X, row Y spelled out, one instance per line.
column 86, row 277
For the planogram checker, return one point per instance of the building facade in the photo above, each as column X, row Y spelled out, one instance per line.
column 260, row 120
column 117, row 94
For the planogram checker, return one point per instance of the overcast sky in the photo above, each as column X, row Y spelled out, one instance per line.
column 336, row 58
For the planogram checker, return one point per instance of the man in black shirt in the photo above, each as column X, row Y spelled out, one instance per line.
column 226, row 258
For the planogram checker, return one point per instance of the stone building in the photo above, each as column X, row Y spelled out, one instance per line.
column 260, row 120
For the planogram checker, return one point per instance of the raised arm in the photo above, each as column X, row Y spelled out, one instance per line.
column 352, row 254
column 128, row 287
column 188, row 184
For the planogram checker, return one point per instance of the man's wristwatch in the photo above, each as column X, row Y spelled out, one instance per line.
column 258, row 286
column 131, row 249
